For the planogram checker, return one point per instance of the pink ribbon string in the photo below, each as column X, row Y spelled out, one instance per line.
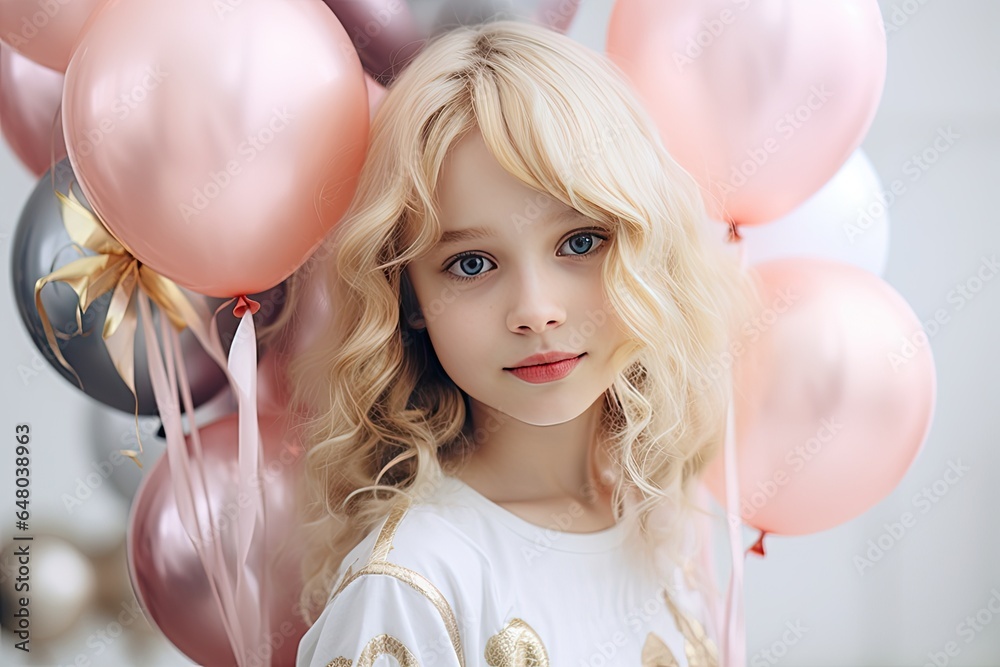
column 734, row 647
column 221, row 568
column 240, row 604
column 703, row 530
column 243, row 367
column 734, row 640
column 184, row 474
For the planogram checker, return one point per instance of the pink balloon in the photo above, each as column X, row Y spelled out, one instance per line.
column 761, row 100
column 46, row 32
column 220, row 143
column 835, row 392
column 167, row 575
column 30, row 95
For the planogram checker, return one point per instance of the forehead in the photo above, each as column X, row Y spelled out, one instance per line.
column 474, row 190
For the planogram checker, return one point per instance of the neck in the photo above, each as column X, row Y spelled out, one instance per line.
column 516, row 461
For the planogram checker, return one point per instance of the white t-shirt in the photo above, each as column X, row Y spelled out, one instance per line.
column 458, row 581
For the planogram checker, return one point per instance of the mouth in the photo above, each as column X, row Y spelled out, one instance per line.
column 550, row 363
column 544, row 373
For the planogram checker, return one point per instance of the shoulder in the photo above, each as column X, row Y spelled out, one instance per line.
column 374, row 616
column 414, row 579
column 420, row 541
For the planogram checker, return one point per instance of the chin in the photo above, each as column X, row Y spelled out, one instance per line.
column 541, row 414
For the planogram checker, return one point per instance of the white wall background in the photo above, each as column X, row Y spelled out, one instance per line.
column 944, row 70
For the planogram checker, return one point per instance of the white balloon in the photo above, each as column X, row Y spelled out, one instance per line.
column 63, row 585
column 847, row 220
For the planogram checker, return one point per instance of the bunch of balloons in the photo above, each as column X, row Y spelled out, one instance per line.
column 197, row 152
column 765, row 103
column 191, row 153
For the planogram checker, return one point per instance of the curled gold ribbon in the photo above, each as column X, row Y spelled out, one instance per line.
column 112, row 269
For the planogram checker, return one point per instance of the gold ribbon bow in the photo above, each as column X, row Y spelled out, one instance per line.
column 113, row 268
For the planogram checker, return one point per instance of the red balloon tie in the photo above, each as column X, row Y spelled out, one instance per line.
column 243, row 303
column 758, row 546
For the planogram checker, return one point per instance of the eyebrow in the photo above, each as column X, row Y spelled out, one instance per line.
column 475, row 233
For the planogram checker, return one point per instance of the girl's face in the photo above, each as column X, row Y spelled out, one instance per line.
column 528, row 283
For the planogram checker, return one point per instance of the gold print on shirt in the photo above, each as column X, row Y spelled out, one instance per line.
column 386, row 645
column 517, row 645
column 655, row 653
column 699, row 649
column 381, row 645
column 378, row 564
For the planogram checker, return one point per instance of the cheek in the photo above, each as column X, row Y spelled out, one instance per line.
column 459, row 350
column 590, row 303
column 456, row 330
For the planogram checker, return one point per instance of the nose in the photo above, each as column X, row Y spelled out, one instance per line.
column 536, row 304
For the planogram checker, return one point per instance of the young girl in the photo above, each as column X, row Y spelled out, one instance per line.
column 517, row 388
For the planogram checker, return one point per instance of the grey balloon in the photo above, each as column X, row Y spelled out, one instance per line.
column 41, row 245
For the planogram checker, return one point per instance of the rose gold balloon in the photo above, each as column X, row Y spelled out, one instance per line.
column 761, row 100
column 388, row 34
column 46, row 32
column 314, row 311
column 166, row 572
column 272, row 383
column 311, row 316
column 835, row 391
column 30, row 95
column 220, row 142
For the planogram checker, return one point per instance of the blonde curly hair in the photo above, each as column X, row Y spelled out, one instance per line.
column 378, row 415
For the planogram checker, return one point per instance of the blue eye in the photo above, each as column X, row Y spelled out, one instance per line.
column 469, row 262
column 581, row 244
column 582, row 248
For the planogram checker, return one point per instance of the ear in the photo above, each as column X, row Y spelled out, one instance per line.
column 416, row 321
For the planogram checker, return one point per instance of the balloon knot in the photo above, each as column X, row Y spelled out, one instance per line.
column 758, row 546
column 243, row 303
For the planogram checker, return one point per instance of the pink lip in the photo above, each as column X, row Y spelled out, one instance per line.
column 544, row 358
column 541, row 373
